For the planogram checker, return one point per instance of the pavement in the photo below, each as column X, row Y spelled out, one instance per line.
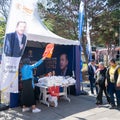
column 81, row 107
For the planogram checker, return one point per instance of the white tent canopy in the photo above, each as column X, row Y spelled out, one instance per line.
column 26, row 10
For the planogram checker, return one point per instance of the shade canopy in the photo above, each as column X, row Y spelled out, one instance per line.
column 36, row 31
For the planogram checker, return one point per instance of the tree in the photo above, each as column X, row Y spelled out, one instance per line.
column 105, row 24
column 4, row 8
column 2, row 30
column 63, row 14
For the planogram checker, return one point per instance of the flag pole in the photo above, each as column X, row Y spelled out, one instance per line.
column 80, row 30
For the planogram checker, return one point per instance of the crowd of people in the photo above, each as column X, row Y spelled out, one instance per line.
column 105, row 79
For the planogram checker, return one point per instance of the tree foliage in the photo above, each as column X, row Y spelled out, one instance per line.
column 105, row 18
column 63, row 14
column 4, row 8
column 61, row 17
column 2, row 31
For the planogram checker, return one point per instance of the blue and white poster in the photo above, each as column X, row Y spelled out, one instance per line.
column 21, row 12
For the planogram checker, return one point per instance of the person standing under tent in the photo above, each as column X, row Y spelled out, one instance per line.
column 91, row 73
column 100, row 81
column 30, row 55
column 27, row 97
column 112, row 76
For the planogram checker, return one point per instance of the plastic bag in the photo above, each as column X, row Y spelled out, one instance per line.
column 54, row 91
column 48, row 51
column 53, row 100
column 118, row 81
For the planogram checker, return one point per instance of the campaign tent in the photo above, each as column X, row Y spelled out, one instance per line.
column 40, row 35
column 37, row 33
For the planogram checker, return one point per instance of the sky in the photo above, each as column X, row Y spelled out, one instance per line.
column 44, row 2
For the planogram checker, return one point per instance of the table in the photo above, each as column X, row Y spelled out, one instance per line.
column 44, row 91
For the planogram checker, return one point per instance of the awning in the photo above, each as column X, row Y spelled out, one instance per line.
column 36, row 30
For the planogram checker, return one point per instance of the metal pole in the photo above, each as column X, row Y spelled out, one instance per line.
column 119, row 41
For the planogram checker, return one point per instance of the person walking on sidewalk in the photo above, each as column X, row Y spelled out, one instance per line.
column 112, row 75
column 91, row 73
column 100, row 81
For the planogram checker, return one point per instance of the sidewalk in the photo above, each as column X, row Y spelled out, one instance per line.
column 80, row 108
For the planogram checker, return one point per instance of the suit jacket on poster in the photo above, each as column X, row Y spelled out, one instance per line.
column 68, row 72
column 12, row 47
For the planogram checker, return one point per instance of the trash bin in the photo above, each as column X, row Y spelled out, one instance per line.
column 14, row 100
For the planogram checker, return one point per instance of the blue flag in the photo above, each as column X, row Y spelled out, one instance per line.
column 81, row 18
column 80, row 26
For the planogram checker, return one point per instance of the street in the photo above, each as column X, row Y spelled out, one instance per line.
column 81, row 107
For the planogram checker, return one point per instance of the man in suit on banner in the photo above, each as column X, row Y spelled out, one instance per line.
column 15, row 42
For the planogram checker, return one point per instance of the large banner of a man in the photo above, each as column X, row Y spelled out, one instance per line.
column 21, row 12
column 14, row 45
column 15, row 42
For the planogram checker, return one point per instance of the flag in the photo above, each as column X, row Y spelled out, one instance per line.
column 88, row 49
column 48, row 51
column 20, row 10
column 81, row 18
column 80, row 26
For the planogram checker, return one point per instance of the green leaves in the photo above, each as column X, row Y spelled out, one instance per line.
column 105, row 18
column 2, row 31
column 61, row 18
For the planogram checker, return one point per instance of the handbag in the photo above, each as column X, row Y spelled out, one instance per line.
column 100, row 78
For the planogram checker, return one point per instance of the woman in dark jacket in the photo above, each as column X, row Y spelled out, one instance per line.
column 100, row 81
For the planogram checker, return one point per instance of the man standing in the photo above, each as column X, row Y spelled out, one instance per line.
column 15, row 42
column 91, row 73
column 30, row 55
column 64, row 65
column 112, row 76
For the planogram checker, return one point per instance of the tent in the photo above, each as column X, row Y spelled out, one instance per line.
column 39, row 36
column 36, row 32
